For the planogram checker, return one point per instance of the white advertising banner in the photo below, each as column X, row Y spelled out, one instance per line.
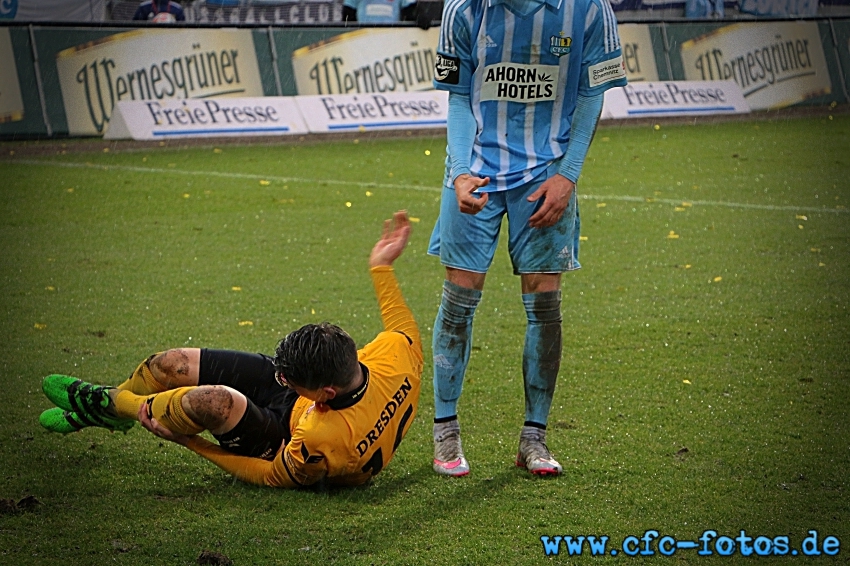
column 154, row 65
column 53, row 10
column 369, row 112
column 674, row 98
column 776, row 64
column 368, row 60
column 638, row 56
column 11, row 103
column 193, row 118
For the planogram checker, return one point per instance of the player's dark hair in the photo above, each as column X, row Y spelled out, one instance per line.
column 316, row 356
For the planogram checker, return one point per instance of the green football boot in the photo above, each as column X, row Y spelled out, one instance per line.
column 84, row 404
column 61, row 421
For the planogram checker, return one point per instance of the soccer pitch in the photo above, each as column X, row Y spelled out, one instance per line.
column 704, row 381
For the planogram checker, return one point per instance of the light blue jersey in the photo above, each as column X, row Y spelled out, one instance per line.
column 522, row 63
column 378, row 11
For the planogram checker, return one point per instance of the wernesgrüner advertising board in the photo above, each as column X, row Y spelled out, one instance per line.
column 368, row 60
column 11, row 103
column 776, row 64
column 154, row 65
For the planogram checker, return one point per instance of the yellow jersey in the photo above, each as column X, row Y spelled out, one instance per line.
column 352, row 437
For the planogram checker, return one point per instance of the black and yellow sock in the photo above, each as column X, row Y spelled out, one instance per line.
column 142, row 382
column 165, row 407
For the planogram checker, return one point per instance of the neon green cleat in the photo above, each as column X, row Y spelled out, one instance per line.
column 61, row 421
column 82, row 404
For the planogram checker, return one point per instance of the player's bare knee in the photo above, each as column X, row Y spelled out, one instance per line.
column 209, row 406
column 173, row 368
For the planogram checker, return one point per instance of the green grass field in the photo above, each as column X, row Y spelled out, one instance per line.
column 704, row 384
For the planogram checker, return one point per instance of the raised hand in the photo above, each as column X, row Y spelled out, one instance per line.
column 393, row 240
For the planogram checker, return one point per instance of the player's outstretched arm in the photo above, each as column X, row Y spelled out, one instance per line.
column 393, row 240
column 395, row 313
column 250, row 470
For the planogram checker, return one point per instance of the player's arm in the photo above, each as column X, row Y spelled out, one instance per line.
column 559, row 188
column 461, row 131
column 601, row 52
column 582, row 129
column 395, row 313
column 250, row 470
column 287, row 470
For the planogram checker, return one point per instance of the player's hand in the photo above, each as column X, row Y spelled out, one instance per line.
column 556, row 192
column 393, row 240
column 153, row 426
column 467, row 200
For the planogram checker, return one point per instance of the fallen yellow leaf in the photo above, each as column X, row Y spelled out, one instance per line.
column 686, row 381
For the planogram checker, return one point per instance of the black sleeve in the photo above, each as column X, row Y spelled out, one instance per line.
column 349, row 14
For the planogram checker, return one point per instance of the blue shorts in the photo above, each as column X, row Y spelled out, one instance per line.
column 468, row 242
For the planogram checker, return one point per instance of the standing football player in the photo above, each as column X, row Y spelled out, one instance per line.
column 318, row 411
column 526, row 80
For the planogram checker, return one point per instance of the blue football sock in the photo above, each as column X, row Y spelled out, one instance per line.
column 451, row 345
column 541, row 357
